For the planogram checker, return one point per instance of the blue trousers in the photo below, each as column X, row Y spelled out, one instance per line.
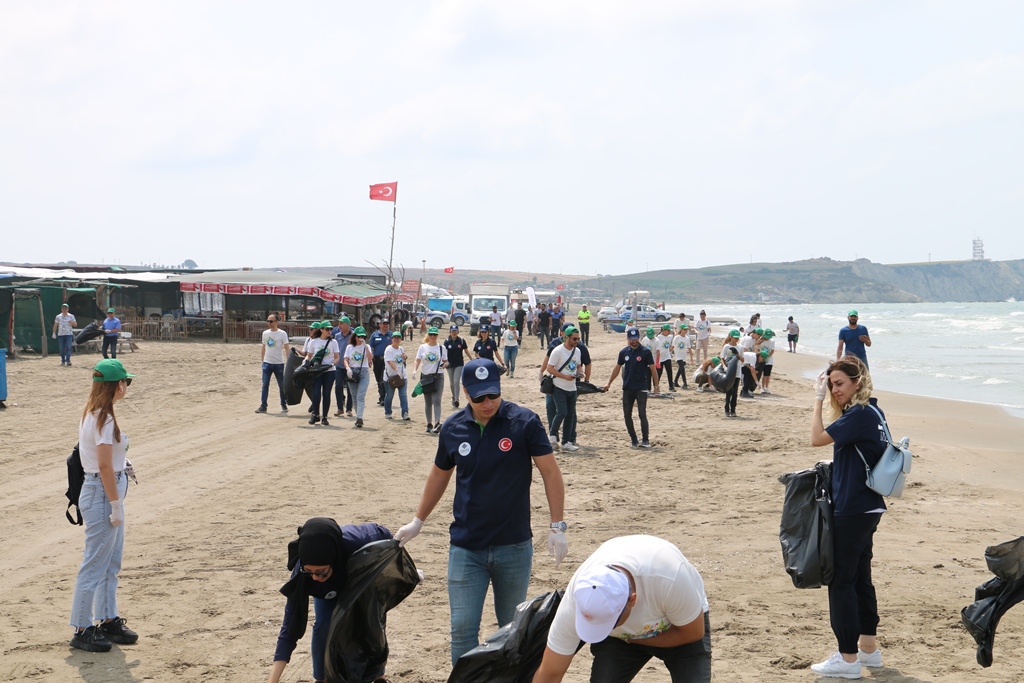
column 110, row 342
column 323, row 610
column 403, row 398
column 565, row 415
column 277, row 371
column 96, row 586
column 64, row 342
column 340, row 384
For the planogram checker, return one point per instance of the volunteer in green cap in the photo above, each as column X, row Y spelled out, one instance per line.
column 432, row 358
column 565, row 365
column 511, row 339
column 648, row 343
column 682, row 351
column 359, row 364
column 323, row 352
column 663, row 354
column 111, row 331
column 854, row 337
column 768, row 352
column 343, row 335
column 103, row 449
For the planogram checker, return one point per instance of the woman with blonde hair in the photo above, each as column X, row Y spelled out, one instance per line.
column 102, row 447
column 433, row 358
column 854, row 431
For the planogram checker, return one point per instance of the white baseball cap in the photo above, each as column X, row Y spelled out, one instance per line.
column 601, row 593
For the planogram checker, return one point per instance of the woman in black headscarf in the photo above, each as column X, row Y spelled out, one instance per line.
column 317, row 559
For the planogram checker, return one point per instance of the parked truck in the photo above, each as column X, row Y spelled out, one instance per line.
column 482, row 298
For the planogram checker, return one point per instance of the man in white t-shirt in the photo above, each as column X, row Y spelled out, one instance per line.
column 635, row 598
column 703, row 326
column 565, row 365
column 273, row 353
column 64, row 335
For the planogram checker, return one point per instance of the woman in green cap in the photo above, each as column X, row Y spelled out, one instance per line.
column 103, row 450
column 433, row 358
column 322, row 351
column 511, row 339
column 359, row 363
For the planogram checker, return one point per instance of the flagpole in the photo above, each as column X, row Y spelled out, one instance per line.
column 391, row 256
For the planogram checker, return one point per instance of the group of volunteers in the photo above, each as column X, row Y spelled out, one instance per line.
column 635, row 598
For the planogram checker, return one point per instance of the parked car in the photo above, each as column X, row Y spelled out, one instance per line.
column 607, row 313
column 646, row 312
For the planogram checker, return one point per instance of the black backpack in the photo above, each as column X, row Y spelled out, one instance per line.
column 76, row 477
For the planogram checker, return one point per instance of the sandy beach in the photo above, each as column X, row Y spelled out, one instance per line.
column 222, row 490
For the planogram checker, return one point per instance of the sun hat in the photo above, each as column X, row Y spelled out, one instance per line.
column 852, row 314
column 110, row 310
column 666, row 326
column 64, row 305
column 735, row 334
column 396, row 335
column 600, row 594
column 111, row 370
column 632, row 333
column 431, row 330
column 481, row 376
column 360, row 331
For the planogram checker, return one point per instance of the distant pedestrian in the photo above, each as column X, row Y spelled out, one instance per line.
column 274, row 348
column 511, row 339
column 544, row 326
column 703, row 327
column 682, row 351
column 379, row 341
column 583, row 317
column 663, row 349
column 557, row 317
column 855, row 337
column 395, row 362
column 768, row 344
column 64, row 334
column 457, row 349
column 531, row 322
column 111, row 333
column 486, row 347
column 496, row 325
column 519, row 315
column 344, row 336
column 792, row 334
column 637, row 367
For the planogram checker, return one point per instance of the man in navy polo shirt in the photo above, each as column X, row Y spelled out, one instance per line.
column 636, row 363
column 855, row 337
column 489, row 445
column 379, row 342
column 344, row 336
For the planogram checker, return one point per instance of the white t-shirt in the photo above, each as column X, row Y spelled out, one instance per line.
column 314, row 345
column 663, row 345
column 431, row 358
column 64, row 324
column 89, row 437
column 749, row 358
column 726, row 354
column 747, row 343
column 677, row 325
column 274, row 342
column 510, row 337
column 770, row 345
column 495, row 318
column 792, row 328
column 359, row 356
column 669, row 591
column 559, row 356
column 703, row 329
column 750, row 328
column 396, row 356
column 681, row 347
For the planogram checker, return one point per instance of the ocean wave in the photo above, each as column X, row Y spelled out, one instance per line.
column 928, row 315
column 996, row 380
column 1006, row 348
column 1016, row 313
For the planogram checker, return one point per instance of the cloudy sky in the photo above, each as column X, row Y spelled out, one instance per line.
column 576, row 136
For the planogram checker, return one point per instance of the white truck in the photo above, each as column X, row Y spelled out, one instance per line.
column 482, row 298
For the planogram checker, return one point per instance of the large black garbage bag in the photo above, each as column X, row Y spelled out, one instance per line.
column 583, row 387
column 726, row 374
column 994, row 597
column 90, row 331
column 806, row 529
column 513, row 653
column 298, row 377
column 380, row 575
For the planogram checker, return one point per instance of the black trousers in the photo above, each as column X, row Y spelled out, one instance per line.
column 667, row 365
column 616, row 661
column 585, row 333
column 749, row 383
column 681, row 374
column 629, row 397
column 378, row 373
column 852, row 605
column 730, row 398
column 110, row 342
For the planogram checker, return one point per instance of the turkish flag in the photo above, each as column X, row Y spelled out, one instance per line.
column 450, row 269
column 560, row 287
column 384, row 192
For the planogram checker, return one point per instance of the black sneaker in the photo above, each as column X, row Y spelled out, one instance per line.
column 314, row 418
column 91, row 640
column 456, row 404
column 746, row 394
column 645, row 444
column 359, row 422
column 634, row 444
column 437, row 428
column 117, row 632
column 325, row 423
column 284, row 409
column 261, row 409
column 430, row 428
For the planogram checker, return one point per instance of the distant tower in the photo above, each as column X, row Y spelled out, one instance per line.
column 979, row 250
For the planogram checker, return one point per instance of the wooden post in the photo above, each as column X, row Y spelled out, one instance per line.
column 42, row 321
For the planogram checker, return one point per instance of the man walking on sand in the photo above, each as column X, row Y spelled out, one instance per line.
column 273, row 353
column 792, row 334
column 379, row 342
column 855, row 338
column 64, row 335
column 703, row 326
column 636, row 364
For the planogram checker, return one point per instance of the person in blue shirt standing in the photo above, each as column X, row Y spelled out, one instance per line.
column 379, row 342
column 635, row 362
column 855, row 337
column 491, row 446
column 111, row 331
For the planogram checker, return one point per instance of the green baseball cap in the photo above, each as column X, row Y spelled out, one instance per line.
column 111, row 370
column 111, row 310
column 764, row 353
column 759, row 332
column 649, row 332
column 684, row 326
column 716, row 360
column 360, row 331
column 735, row 334
column 570, row 329
column 344, row 319
column 853, row 314
column 396, row 334
column 769, row 333
column 315, row 326
column 666, row 326
column 431, row 330
column 512, row 323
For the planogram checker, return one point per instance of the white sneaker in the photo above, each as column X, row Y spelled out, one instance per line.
column 570, row 446
column 837, row 667
column 872, row 659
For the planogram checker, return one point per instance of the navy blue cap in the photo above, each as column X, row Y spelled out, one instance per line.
column 481, row 377
column 632, row 333
column 453, row 328
column 566, row 326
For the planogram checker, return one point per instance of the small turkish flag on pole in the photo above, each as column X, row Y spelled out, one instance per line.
column 384, row 192
column 450, row 269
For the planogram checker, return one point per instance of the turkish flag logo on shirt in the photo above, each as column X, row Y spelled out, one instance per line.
column 505, row 445
column 450, row 269
column 384, row 192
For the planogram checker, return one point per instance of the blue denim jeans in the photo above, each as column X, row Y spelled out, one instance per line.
column 64, row 342
column 403, row 398
column 96, row 586
column 505, row 567
column 323, row 610
column 360, row 390
column 110, row 342
column 565, row 415
column 277, row 371
column 510, row 357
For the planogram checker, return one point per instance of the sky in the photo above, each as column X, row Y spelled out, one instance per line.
column 578, row 136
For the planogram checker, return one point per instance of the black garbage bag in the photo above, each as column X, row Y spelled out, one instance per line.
column 583, row 387
column 297, row 377
column 806, row 529
column 89, row 332
column 513, row 653
column 994, row 597
column 380, row 576
column 726, row 374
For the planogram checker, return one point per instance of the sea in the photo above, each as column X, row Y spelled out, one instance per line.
column 962, row 351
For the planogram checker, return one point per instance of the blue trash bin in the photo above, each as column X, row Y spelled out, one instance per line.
column 3, row 375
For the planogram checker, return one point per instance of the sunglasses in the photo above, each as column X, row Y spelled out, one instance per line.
column 319, row 573
column 485, row 397
column 127, row 381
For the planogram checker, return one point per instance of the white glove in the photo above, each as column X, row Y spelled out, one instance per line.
column 129, row 470
column 821, row 386
column 117, row 512
column 409, row 531
column 558, row 546
column 423, row 577
column 54, row 335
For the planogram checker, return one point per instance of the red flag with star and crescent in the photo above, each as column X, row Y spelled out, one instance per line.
column 450, row 269
column 384, row 192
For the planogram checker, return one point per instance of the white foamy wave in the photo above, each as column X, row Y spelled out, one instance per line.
column 995, row 380
column 1016, row 313
column 1006, row 348
column 928, row 315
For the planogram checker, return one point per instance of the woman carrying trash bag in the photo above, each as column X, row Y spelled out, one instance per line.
column 103, row 448
column 322, row 352
column 358, row 363
column 853, row 609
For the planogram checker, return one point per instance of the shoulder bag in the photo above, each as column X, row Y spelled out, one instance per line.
column 889, row 475
column 428, row 383
column 547, row 382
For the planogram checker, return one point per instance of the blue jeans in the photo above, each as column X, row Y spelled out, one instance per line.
column 340, row 385
column 510, row 357
column 496, row 333
column 360, row 390
column 321, row 391
column 323, row 609
column 64, row 342
column 96, row 586
column 505, row 567
column 403, row 398
column 110, row 342
column 277, row 370
column 565, row 415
